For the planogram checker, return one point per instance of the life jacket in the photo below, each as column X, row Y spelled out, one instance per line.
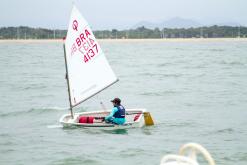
column 120, row 113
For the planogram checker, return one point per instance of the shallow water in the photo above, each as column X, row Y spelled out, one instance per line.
column 196, row 92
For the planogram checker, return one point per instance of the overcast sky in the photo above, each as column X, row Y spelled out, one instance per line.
column 108, row 14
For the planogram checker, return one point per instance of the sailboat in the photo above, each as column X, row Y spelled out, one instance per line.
column 88, row 73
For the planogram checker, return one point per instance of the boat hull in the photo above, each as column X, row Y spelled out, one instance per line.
column 134, row 118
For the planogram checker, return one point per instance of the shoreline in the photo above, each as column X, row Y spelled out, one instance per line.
column 127, row 40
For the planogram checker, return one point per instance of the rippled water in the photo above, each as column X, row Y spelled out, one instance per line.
column 195, row 90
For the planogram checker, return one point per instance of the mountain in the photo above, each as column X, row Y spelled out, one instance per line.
column 171, row 23
column 146, row 24
column 179, row 23
column 233, row 24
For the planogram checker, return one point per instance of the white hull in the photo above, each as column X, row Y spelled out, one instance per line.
column 67, row 121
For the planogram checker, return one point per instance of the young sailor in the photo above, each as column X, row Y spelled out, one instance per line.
column 117, row 115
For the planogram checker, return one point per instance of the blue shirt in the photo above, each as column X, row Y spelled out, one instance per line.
column 115, row 120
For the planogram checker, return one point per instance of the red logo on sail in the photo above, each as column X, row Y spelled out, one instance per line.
column 75, row 25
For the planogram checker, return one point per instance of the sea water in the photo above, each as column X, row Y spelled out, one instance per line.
column 196, row 91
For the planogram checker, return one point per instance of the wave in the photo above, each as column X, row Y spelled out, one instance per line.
column 216, row 50
column 10, row 114
column 45, row 109
column 150, row 94
column 54, row 126
column 227, row 130
column 220, row 131
column 162, row 93
column 4, row 135
column 233, row 63
column 31, row 87
column 160, row 75
column 172, row 75
column 34, row 111
column 182, row 124
column 164, row 64
column 76, row 160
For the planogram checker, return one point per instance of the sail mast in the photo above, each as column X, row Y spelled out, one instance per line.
column 67, row 79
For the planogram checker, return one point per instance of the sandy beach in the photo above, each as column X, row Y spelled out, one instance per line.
column 130, row 40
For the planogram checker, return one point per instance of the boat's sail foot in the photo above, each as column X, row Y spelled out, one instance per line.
column 87, row 68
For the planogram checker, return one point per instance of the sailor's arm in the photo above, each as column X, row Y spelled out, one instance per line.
column 114, row 110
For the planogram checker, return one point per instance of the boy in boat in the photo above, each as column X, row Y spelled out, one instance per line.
column 117, row 115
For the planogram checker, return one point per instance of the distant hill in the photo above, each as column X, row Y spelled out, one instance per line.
column 178, row 22
column 233, row 24
column 171, row 23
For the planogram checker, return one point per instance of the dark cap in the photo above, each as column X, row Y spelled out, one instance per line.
column 116, row 100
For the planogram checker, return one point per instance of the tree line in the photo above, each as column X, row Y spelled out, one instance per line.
column 24, row 32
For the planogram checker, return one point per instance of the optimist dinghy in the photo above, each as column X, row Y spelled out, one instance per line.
column 134, row 118
column 87, row 74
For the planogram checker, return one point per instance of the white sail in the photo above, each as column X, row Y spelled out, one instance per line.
column 88, row 71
